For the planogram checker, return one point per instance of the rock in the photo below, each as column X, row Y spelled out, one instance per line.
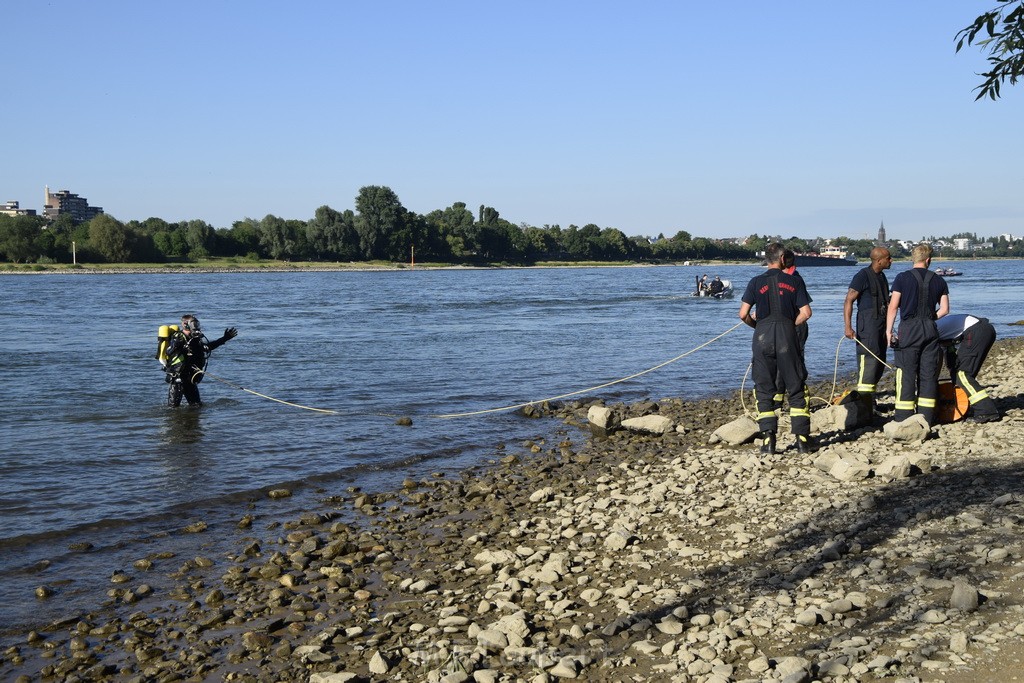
column 617, row 540
column 279, row 493
column 343, row 677
column 567, row 667
column 378, row 664
column 958, row 642
column 404, row 422
column 894, row 467
column 848, row 469
column 825, row 460
column 492, row 640
column 739, row 431
column 649, row 424
column 933, row 616
column 913, row 430
column 964, row 597
column 542, row 495
column 601, row 417
column 788, row 666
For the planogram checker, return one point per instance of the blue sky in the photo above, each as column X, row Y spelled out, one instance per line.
column 723, row 119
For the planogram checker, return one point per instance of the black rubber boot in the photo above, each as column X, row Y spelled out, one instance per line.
column 767, row 441
column 804, row 444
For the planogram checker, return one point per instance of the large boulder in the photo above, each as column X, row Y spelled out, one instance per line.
column 650, row 424
column 894, row 467
column 602, row 417
column 914, row 429
column 854, row 411
column 850, row 469
column 739, row 431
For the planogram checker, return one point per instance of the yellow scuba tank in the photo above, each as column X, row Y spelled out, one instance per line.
column 163, row 336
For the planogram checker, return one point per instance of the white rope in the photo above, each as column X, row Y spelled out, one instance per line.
column 256, row 393
column 589, row 389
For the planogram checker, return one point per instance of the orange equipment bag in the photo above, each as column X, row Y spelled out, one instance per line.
column 952, row 404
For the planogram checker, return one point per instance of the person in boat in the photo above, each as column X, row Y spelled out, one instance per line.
column 967, row 340
column 188, row 352
column 702, row 286
column 920, row 297
column 774, row 303
column 870, row 289
column 716, row 287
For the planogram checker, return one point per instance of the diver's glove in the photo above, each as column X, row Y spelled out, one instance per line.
column 229, row 333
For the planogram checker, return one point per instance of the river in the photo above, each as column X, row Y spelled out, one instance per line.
column 92, row 458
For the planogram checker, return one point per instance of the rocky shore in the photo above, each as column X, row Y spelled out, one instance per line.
column 623, row 556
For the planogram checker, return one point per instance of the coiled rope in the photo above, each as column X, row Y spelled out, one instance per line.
column 835, row 376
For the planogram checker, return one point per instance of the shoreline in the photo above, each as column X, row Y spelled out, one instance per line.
column 599, row 557
column 359, row 267
column 153, row 270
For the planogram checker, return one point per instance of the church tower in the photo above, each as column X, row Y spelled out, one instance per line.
column 881, row 233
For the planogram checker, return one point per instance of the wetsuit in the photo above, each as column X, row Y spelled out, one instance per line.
column 872, row 302
column 777, row 298
column 970, row 340
column 187, row 356
column 917, row 356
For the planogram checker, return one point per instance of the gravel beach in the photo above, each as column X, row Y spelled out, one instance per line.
column 607, row 556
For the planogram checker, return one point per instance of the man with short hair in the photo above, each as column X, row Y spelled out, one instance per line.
column 921, row 297
column 870, row 289
column 780, row 303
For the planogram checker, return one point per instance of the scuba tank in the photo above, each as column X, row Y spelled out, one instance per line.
column 163, row 336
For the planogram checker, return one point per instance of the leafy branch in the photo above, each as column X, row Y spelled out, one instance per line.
column 1001, row 32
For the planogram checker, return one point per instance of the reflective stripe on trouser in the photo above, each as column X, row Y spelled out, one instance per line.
column 917, row 376
column 776, row 358
column 976, row 396
column 870, row 334
column 970, row 354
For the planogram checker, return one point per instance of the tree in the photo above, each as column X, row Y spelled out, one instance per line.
column 111, row 238
column 455, row 230
column 1004, row 26
column 276, row 238
column 18, row 237
column 246, row 236
column 200, row 238
column 332, row 234
column 380, row 215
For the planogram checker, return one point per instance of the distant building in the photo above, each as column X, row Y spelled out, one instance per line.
column 65, row 202
column 13, row 208
column 961, row 244
column 881, row 233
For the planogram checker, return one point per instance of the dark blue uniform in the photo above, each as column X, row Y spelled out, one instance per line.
column 776, row 349
column 872, row 301
column 917, row 354
column 969, row 340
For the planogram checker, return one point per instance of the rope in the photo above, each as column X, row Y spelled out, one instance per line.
column 256, row 393
column 835, row 376
column 589, row 389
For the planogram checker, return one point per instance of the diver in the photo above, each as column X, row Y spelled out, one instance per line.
column 188, row 351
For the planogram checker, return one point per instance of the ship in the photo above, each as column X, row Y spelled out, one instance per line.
column 829, row 256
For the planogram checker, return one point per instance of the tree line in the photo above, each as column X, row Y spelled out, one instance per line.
column 379, row 229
